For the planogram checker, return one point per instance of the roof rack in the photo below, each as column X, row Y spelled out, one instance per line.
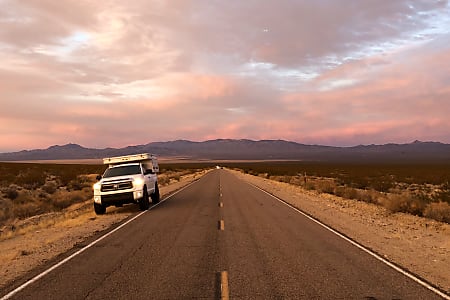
column 128, row 158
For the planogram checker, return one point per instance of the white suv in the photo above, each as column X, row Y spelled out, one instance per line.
column 128, row 179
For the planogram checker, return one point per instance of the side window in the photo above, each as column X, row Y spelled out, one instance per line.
column 147, row 170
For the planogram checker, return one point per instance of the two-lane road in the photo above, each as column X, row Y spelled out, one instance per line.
column 223, row 236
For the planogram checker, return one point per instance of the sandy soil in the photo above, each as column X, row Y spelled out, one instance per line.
column 41, row 238
column 419, row 245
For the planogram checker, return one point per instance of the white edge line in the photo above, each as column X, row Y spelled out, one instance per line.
column 39, row 276
column 380, row 258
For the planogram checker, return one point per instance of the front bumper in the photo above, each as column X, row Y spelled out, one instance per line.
column 118, row 197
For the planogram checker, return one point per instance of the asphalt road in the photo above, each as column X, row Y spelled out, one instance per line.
column 218, row 237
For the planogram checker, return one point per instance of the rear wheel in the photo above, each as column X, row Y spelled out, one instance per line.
column 99, row 209
column 155, row 195
column 144, row 204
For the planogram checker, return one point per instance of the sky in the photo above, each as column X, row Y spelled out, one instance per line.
column 115, row 73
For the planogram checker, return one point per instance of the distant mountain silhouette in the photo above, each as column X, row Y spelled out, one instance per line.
column 227, row 149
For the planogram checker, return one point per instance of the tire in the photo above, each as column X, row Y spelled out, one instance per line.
column 99, row 209
column 144, row 204
column 155, row 195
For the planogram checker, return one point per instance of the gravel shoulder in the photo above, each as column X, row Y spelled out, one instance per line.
column 419, row 245
column 42, row 238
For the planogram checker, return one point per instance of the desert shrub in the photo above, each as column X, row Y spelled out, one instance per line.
column 4, row 215
column 405, row 202
column 443, row 194
column 439, row 211
column 12, row 193
column 61, row 203
column 339, row 191
column 285, row 179
column 325, row 186
column 31, row 178
column 163, row 180
column 64, row 200
column 25, row 210
column 75, row 185
column 348, row 192
column 80, row 182
column 297, row 180
column 5, row 209
column 369, row 196
column 309, row 186
column 49, row 187
column 377, row 176
column 381, row 184
column 24, row 206
column 43, row 195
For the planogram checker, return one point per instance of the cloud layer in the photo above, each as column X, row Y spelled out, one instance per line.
column 114, row 73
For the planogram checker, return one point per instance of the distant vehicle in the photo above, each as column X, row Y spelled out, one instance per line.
column 128, row 179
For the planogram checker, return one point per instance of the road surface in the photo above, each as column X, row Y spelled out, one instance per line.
column 221, row 237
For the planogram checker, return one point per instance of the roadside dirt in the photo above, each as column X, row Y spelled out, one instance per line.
column 419, row 245
column 41, row 238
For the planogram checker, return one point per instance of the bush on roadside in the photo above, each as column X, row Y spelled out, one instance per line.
column 310, row 186
column 24, row 206
column 346, row 192
column 325, row 186
column 64, row 200
column 5, row 209
column 12, row 193
column 163, row 180
column 443, row 194
column 439, row 211
column 369, row 196
column 405, row 202
column 31, row 178
column 49, row 187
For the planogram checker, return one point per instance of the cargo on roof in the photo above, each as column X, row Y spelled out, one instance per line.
column 128, row 158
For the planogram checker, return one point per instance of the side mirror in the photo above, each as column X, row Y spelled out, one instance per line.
column 99, row 177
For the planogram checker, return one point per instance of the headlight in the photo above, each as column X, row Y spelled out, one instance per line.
column 138, row 182
column 97, row 186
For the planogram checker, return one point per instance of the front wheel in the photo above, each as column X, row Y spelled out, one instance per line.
column 155, row 195
column 99, row 209
column 144, row 204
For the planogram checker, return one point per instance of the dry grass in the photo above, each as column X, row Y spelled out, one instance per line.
column 418, row 190
column 29, row 190
column 439, row 211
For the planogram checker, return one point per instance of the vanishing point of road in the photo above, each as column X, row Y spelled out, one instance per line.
column 221, row 238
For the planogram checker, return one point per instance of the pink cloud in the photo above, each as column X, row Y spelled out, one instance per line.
column 129, row 73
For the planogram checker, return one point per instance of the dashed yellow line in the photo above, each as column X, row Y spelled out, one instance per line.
column 220, row 204
column 224, row 288
column 221, row 225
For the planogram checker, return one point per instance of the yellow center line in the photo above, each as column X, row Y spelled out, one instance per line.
column 221, row 225
column 220, row 204
column 224, row 289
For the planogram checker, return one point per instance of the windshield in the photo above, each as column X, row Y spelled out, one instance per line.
column 123, row 170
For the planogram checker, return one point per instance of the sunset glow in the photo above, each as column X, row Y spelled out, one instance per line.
column 111, row 74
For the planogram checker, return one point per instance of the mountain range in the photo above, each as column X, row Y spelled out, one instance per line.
column 230, row 149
